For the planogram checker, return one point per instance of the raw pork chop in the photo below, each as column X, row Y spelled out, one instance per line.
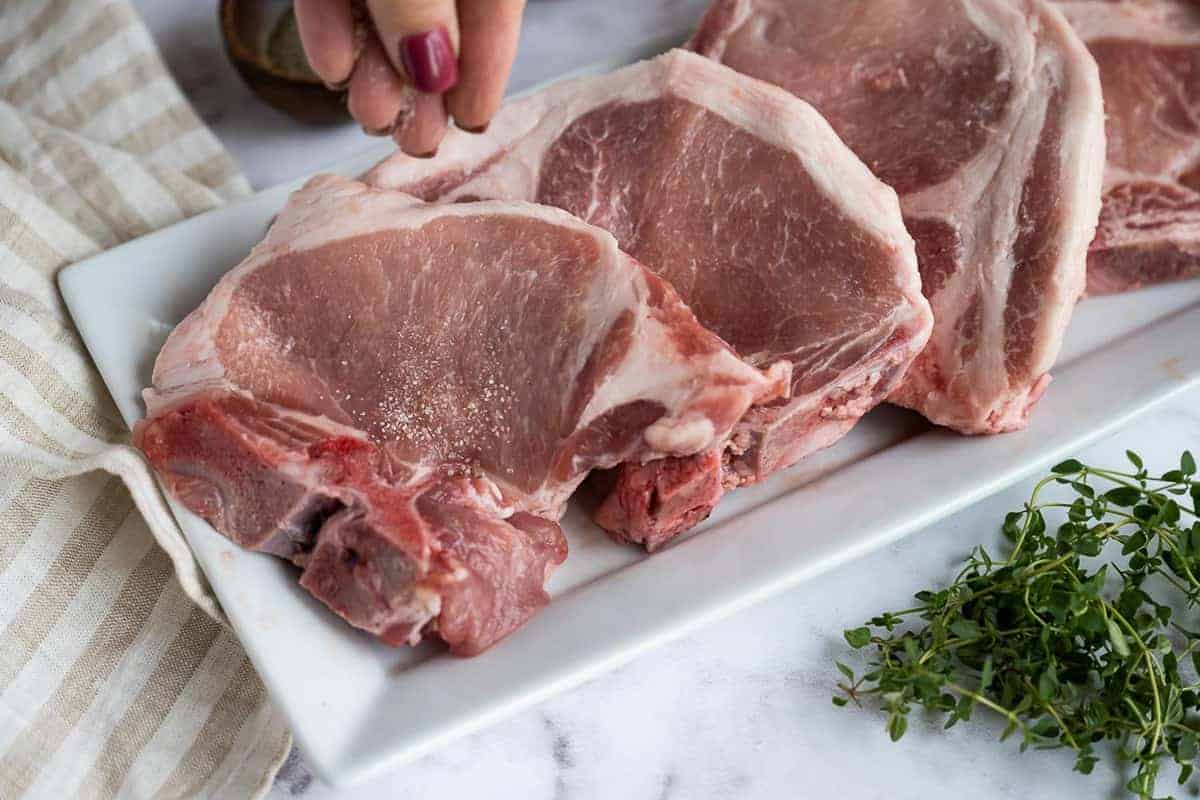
column 985, row 115
column 1149, row 57
column 400, row 397
column 741, row 196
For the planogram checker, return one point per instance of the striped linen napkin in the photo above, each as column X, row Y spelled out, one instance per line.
column 116, row 678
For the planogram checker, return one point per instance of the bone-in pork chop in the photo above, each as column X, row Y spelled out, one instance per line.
column 744, row 199
column 1149, row 57
column 986, row 117
column 399, row 398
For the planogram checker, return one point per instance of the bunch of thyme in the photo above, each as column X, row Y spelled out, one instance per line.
column 1070, row 646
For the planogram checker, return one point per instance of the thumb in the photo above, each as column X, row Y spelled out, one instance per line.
column 421, row 40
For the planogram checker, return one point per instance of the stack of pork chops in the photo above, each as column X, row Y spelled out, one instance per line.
column 677, row 278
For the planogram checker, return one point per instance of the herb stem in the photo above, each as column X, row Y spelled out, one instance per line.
column 1152, row 668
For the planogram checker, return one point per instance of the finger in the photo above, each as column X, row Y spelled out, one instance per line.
column 377, row 95
column 489, row 32
column 421, row 39
column 420, row 132
column 327, row 32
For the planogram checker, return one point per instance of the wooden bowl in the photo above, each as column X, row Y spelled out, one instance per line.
column 263, row 43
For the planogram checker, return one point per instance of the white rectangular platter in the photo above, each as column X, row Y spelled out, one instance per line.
column 358, row 707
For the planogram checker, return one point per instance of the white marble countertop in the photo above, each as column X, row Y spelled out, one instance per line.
column 742, row 709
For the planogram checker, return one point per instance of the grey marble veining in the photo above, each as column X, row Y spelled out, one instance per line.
column 741, row 709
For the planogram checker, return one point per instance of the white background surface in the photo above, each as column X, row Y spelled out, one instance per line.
column 741, row 709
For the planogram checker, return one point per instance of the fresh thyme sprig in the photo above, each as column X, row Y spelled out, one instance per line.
column 1070, row 646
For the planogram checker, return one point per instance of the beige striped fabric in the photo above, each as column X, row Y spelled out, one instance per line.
column 116, row 679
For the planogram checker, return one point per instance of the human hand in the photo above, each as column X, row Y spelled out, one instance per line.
column 409, row 65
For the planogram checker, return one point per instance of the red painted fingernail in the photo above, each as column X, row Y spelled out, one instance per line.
column 429, row 61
